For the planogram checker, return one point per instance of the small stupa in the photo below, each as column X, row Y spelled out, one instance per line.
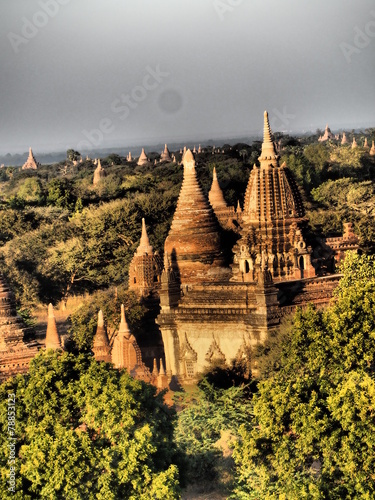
column 215, row 195
column 143, row 160
column 327, row 135
column 354, row 143
column 165, row 156
column 365, row 145
column 98, row 174
column 31, row 162
column 53, row 340
column 129, row 157
column 372, row 150
column 101, row 347
column 344, row 140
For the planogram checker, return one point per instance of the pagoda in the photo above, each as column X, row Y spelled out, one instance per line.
column 193, row 242
column 99, row 173
column 210, row 313
column 101, row 347
column 273, row 221
column 145, row 267
column 31, row 162
column 327, row 135
column 53, row 340
column 16, row 351
column 143, row 159
column 165, row 155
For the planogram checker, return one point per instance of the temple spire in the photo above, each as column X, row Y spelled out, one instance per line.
column 268, row 146
column 52, row 336
column 144, row 245
column 215, row 195
column 123, row 330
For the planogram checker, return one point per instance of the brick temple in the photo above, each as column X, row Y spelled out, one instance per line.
column 215, row 296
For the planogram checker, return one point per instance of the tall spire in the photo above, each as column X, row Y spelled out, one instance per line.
column 215, row 195
column 268, row 147
column 144, row 245
column 123, row 330
column 101, row 347
column 52, row 336
column 193, row 241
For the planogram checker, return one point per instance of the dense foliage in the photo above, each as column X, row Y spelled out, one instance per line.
column 86, row 431
column 315, row 432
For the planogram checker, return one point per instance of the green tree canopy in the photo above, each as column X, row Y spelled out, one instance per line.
column 315, row 411
column 87, row 431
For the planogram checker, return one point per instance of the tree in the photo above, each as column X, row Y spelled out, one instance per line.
column 315, row 432
column 87, row 431
column 73, row 155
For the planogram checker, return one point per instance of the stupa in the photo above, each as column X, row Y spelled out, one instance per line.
column 53, row 340
column 354, row 143
column 31, row 162
column 143, row 160
column 193, row 242
column 101, row 347
column 327, row 135
column 165, row 156
column 372, row 150
column 344, row 140
column 98, row 174
column 126, row 352
column 145, row 267
column 16, row 351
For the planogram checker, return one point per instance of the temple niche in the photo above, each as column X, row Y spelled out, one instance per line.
column 31, row 163
column 211, row 313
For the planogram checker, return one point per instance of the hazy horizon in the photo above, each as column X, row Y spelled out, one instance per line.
column 108, row 74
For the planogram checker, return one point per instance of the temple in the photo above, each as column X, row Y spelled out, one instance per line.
column 212, row 310
column 98, row 174
column 165, row 156
column 327, row 135
column 16, row 350
column 53, row 340
column 143, row 160
column 145, row 267
column 31, row 162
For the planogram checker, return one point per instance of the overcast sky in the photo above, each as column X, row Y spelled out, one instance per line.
column 145, row 71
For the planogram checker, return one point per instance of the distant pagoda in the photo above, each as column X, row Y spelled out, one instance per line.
column 31, row 163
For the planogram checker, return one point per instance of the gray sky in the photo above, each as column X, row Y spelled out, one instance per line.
column 218, row 63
